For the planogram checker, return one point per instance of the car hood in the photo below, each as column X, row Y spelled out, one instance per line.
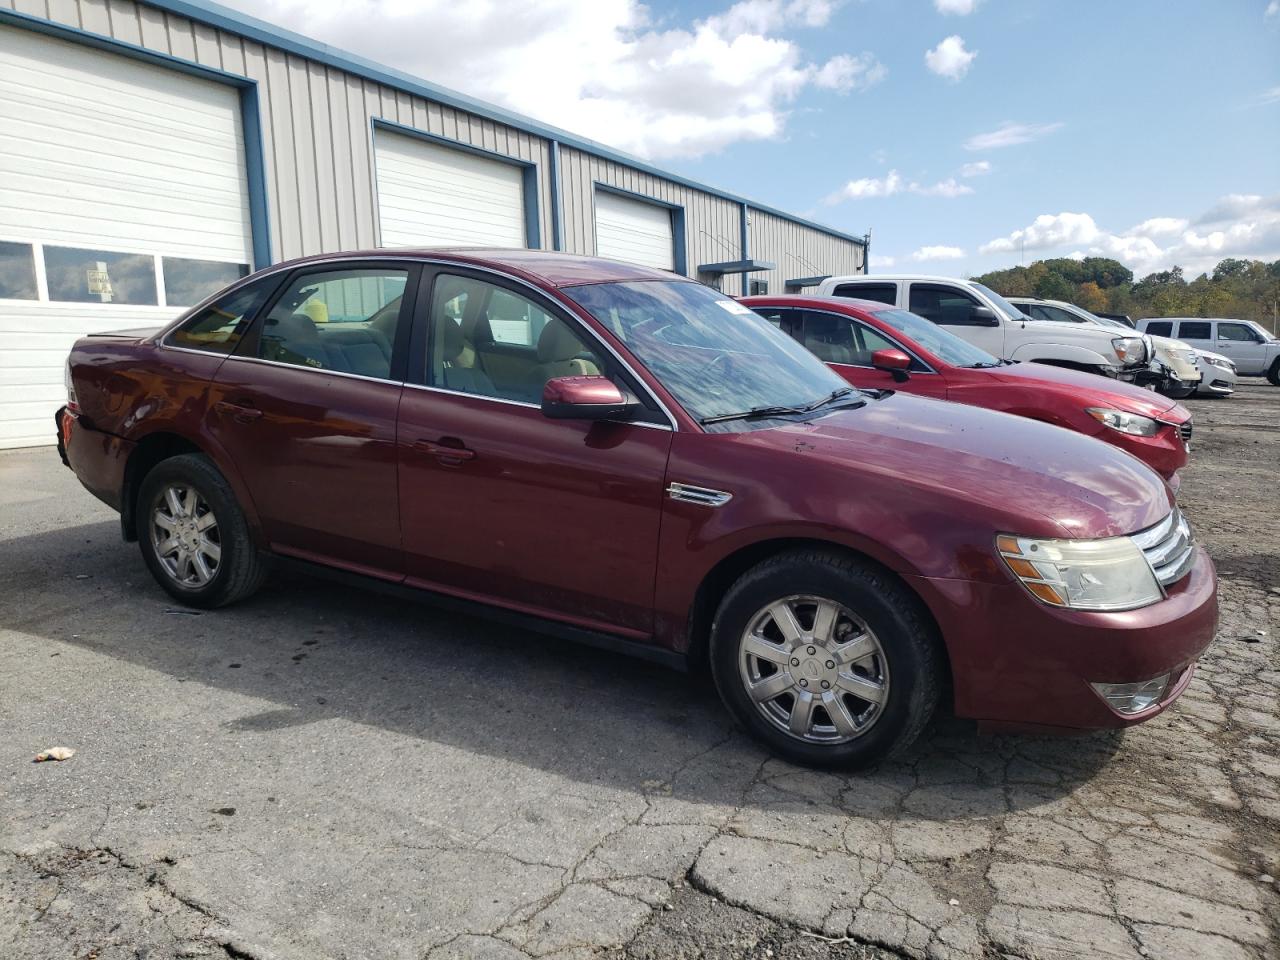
column 1090, row 389
column 1060, row 330
column 1036, row 479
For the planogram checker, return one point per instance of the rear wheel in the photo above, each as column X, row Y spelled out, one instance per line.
column 193, row 534
column 826, row 659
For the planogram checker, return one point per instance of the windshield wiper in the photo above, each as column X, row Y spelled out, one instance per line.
column 755, row 413
column 983, row 365
column 836, row 394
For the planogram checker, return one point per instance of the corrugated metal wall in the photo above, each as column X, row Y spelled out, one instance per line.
column 317, row 141
column 712, row 224
column 799, row 251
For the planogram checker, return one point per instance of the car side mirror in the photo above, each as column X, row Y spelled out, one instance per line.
column 984, row 317
column 585, row 398
column 893, row 361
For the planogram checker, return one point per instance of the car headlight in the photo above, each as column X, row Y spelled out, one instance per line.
column 1110, row 574
column 1224, row 363
column 1130, row 423
column 1129, row 349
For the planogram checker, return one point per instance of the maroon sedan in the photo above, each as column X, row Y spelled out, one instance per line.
column 875, row 345
column 636, row 460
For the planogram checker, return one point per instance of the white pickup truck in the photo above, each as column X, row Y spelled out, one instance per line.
column 984, row 318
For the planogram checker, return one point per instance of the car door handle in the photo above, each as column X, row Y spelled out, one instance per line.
column 240, row 412
column 453, row 451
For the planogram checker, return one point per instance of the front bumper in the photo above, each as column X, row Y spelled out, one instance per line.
column 1166, row 453
column 1019, row 664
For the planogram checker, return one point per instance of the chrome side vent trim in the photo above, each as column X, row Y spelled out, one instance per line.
column 1184, row 431
column 703, row 496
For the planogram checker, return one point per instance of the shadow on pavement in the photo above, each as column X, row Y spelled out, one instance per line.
column 311, row 650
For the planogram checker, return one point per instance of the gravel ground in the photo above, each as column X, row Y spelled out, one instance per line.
column 322, row 772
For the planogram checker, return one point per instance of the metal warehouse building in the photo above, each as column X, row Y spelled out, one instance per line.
column 153, row 152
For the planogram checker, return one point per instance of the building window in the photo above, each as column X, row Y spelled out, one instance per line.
column 100, row 276
column 17, row 271
column 758, row 288
column 187, row 282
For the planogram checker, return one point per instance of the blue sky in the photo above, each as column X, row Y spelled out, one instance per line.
column 1149, row 129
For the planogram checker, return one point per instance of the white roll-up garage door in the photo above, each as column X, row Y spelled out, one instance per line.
column 433, row 195
column 634, row 231
column 122, row 199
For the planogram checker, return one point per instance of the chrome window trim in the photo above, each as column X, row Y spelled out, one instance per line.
column 162, row 337
column 523, row 403
column 318, row 370
column 878, row 332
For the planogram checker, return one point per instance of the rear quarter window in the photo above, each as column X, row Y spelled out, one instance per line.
column 1159, row 328
column 879, row 292
column 219, row 327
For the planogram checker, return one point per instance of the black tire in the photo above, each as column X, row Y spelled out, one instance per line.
column 894, row 616
column 1178, row 393
column 1273, row 374
column 240, row 568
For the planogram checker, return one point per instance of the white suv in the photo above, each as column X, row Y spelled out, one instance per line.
column 984, row 318
column 1253, row 350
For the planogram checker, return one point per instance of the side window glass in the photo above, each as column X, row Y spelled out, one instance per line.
column 218, row 327
column 942, row 305
column 830, row 338
column 1162, row 328
column 342, row 320
column 491, row 342
column 1187, row 330
column 1237, row 332
column 879, row 292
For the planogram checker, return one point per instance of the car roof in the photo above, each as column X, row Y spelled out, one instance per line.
column 872, row 277
column 545, row 266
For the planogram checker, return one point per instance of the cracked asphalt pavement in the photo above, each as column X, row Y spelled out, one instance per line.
column 322, row 772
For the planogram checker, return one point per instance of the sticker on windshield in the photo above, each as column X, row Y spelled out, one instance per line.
column 733, row 306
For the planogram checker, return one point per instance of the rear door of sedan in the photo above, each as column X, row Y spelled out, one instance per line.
column 498, row 503
column 306, row 407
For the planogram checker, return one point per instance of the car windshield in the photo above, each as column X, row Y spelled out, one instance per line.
column 941, row 343
column 1003, row 305
column 714, row 355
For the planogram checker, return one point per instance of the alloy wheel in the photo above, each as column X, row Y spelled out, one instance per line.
column 184, row 534
column 814, row 669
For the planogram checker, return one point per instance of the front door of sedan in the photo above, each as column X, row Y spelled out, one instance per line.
column 557, row 518
column 307, row 407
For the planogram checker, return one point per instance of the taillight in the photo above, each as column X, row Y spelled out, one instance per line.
column 73, row 405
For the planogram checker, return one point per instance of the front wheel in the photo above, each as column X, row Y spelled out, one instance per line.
column 193, row 534
column 1273, row 374
column 826, row 659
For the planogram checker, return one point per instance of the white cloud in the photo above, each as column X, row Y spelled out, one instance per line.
column 845, row 72
column 951, row 187
column 882, row 261
column 605, row 69
column 961, row 8
column 1159, row 227
column 1010, row 135
column 1238, row 225
column 1273, row 9
column 937, row 253
column 1046, row 232
column 864, row 187
column 1272, row 95
column 977, row 169
column 949, row 58
column 886, row 186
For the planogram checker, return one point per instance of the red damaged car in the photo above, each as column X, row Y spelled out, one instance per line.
column 872, row 345
column 633, row 459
